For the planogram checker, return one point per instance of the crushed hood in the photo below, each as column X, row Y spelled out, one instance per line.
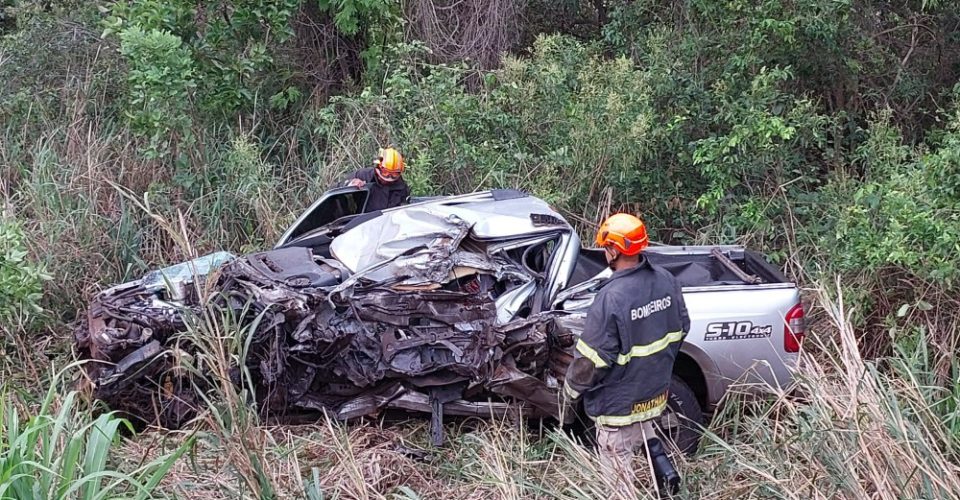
column 403, row 230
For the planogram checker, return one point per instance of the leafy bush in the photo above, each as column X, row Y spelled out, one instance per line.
column 581, row 130
column 848, row 54
column 21, row 282
column 160, row 79
column 41, row 64
column 189, row 61
column 547, row 123
column 904, row 212
column 229, row 46
column 889, row 223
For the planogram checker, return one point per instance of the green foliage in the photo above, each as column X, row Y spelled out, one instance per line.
column 762, row 136
column 160, row 79
column 61, row 451
column 915, row 359
column 807, row 129
column 283, row 99
column 17, row 15
column 21, row 281
column 904, row 212
column 734, row 117
column 376, row 23
column 223, row 381
column 544, row 123
column 215, row 60
column 40, row 52
column 253, row 195
column 848, row 53
column 350, row 15
column 567, row 123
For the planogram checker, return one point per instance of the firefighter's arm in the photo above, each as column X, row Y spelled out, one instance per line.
column 355, row 180
column 595, row 351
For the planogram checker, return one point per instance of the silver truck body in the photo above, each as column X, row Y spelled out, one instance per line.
column 737, row 331
column 722, row 354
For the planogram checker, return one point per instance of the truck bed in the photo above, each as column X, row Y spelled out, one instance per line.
column 694, row 266
column 737, row 329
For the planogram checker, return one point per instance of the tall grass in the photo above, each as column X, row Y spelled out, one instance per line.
column 854, row 431
column 853, row 428
column 217, row 341
column 229, row 411
column 61, row 450
column 859, row 428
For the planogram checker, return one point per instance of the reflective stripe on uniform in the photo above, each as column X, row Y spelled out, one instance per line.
column 570, row 392
column 590, row 354
column 639, row 351
column 622, row 420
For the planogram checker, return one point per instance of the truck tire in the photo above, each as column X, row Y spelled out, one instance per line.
column 681, row 421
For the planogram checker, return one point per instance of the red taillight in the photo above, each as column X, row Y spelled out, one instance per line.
column 793, row 329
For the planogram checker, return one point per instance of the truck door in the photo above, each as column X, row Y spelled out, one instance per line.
column 334, row 204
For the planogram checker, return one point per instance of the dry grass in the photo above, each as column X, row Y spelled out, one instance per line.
column 851, row 431
column 854, row 432
column 858, row 429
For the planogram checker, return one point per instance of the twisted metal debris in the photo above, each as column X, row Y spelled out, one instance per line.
column 420, row 332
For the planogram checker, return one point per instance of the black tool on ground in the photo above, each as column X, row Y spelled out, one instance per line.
column 668, row 480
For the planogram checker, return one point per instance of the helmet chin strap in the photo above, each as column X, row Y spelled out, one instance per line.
column 620, row 261
column 611, row 261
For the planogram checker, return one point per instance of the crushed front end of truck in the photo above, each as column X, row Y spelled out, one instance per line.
column 430, row 328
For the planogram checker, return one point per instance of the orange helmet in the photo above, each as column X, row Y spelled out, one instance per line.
column 624, row 232
column 389, row 165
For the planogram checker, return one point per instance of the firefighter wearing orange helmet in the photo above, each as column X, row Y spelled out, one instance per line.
column 624, row 359
column 384, row 181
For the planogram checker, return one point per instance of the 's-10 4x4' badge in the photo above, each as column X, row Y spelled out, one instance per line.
column 737, row 330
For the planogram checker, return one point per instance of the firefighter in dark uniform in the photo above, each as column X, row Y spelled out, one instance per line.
column 624, row 359
column 384, row 181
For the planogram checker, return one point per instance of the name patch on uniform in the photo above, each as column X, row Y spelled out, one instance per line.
column 653, row 307
column 650, row 405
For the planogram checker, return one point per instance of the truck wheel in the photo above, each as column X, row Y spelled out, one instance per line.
column 681, row 420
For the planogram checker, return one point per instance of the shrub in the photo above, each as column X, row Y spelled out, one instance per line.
column 901, row 212
column 229, row 46
column 21, row 282
column 160, row 79
column 564, row 123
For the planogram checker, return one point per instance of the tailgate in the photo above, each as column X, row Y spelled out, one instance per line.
column 738, row 333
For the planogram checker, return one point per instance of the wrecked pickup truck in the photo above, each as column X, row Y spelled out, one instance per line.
column 460, row 306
